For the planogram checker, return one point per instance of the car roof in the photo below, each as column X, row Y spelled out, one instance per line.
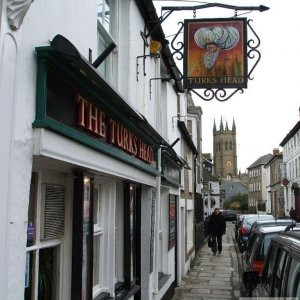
column 289, row 239
column 278, row 228
column 259, row 217
column 271, row 221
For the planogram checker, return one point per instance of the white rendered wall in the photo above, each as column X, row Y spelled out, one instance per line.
column 42, row 22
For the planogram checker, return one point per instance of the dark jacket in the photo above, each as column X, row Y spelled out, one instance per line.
column 217, row 224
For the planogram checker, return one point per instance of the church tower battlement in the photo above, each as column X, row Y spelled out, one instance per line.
column 225, row 151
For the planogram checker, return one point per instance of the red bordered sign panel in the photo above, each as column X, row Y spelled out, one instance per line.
column 215, row 53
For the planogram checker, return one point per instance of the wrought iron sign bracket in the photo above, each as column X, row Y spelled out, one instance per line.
column 137, row 65
column 220, row 94
column 170, row 9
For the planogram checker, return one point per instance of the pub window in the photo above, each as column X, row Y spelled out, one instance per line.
column 104, row 13
column 128, row 226
column 82, row 242
column 45, row 230
column 98, row 247
column 104, row 25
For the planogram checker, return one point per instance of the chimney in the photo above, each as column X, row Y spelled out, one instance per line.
column 275, row 151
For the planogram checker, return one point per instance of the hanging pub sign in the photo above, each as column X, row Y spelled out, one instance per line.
column 215, row 53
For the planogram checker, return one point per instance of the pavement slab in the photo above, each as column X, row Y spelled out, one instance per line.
column 213, row 277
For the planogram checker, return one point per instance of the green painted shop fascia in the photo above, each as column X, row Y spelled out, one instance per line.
column 166, row 179
column 47, row 58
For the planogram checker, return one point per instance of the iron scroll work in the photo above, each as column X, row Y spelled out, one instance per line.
column 251, row 45
column 211, row 86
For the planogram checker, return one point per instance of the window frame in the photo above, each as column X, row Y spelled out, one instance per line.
column 40, row 179
column 98, row 231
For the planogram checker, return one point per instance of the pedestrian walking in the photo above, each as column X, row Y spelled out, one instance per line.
column 293, row 213
column 216, row 228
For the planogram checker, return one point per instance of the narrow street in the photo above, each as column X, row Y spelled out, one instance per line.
column 213, row 277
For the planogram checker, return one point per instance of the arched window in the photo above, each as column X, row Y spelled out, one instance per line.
column 230, row 145
column 226, row 145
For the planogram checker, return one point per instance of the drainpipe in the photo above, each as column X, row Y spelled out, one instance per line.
column 157, row 218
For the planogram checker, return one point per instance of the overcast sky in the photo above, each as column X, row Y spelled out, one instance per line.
column 269, row 108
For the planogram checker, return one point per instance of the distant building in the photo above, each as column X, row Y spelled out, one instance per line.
column 257, row 184
column 207, row 163
column 275, row 191
column 232, row 189
column 211, row 193
column 291, row 170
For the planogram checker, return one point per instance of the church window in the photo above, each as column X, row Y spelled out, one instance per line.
column 226, row 145
column 230, row 145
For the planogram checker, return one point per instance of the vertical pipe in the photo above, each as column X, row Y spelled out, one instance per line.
column 157, row 218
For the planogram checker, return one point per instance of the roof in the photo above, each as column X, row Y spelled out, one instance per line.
column 290, row 134
column 261, row 161
column 233, row 188
column 187, row 136
column 208, row 177
column 207, row 156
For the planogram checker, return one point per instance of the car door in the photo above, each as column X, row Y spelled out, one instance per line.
column 263, row 289
column 293, row 278
column 278, row 273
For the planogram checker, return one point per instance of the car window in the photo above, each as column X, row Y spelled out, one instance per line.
column 279, row 271
column 268, row 270
column 264, row 246
column 293, row 280
column 251, row 242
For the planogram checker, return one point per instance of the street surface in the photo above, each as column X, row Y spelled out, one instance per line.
column 213, row 277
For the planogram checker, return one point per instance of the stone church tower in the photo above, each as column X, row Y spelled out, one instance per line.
column 225, row 151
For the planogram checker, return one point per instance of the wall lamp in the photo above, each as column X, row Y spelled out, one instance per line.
column 163, row 79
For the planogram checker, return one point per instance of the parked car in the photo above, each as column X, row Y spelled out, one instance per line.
column 237, row 224
column 264, row 223
column 245, row 226
column 229, row 215
column 253, row 259
column 281, row 272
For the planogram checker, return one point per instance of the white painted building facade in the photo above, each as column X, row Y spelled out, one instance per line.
column 291, row 170
column 82, row 154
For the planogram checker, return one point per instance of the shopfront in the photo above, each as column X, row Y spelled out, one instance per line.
column 94, row 173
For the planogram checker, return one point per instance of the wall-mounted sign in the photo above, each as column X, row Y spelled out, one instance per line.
column 172, row 221
column 68, row 106
column 215, row 53
column 171, row 172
